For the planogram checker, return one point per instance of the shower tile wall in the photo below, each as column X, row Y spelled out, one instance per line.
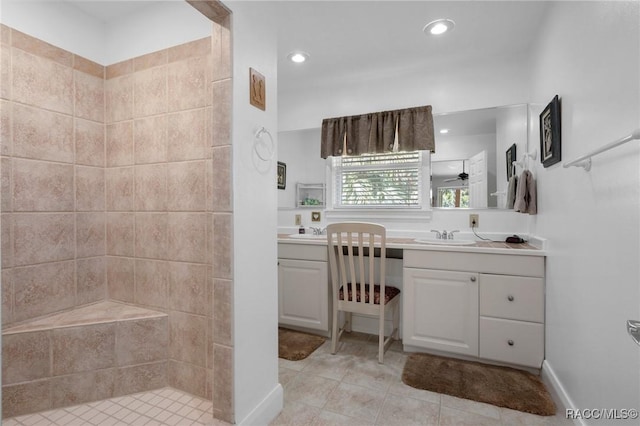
column 53, row 188
column 108, row 178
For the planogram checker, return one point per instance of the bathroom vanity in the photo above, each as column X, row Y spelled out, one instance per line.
column 483, row 301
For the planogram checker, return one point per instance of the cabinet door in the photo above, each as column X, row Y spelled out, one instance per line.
column 441, row 310
column 303, row 294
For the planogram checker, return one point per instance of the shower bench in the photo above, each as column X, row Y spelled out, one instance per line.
column 91, row 353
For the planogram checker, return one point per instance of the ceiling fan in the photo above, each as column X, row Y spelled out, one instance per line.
column 462, row 176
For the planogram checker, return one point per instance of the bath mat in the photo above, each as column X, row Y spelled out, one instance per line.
column 295, row 345
column 501, row 386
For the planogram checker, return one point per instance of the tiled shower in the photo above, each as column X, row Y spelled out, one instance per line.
column 116, row 187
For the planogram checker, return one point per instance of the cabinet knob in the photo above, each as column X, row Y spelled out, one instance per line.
column 510, row 342
column 473, row 279
column 510, row 298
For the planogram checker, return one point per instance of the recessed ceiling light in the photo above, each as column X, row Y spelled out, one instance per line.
column 444, row 131
column 298, row 57
column 439, row 26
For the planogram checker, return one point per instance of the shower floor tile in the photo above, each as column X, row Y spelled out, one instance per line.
column 166, row 406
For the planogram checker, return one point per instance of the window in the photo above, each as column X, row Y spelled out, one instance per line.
column 398, row 180
column 453, row 197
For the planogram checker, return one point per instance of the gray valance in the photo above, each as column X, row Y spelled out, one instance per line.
column 409, row 129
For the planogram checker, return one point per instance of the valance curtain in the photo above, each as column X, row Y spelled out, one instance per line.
column 409, row 129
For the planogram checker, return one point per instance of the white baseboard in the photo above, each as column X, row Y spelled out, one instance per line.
column 267, row 410
column 558, row 391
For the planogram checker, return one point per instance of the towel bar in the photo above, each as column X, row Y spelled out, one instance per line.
column 585, row 160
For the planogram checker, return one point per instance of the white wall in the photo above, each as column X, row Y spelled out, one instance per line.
column 588, row 53
column 257, row 393
column 146, row 30
column 511, row 128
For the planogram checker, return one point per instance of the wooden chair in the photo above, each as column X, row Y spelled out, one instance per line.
column 355, row 289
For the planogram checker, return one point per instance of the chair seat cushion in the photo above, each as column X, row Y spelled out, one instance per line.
column 389, row 293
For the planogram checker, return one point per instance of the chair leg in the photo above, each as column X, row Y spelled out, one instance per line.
column 347, row 321
column 396, row 321
column 381, row 338
column 334, row 332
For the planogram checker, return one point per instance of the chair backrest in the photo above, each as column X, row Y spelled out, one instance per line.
column 352, row 260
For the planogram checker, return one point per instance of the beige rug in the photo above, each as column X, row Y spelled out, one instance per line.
column 501, row 386
column 295, row 345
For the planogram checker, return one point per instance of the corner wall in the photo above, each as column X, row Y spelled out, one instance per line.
column 589, row 54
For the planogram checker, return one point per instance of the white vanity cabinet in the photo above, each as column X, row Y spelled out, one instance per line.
column 303, row 286
column 482, row 305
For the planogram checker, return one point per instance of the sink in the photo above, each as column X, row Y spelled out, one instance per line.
column 307, row 237
column 445, row 242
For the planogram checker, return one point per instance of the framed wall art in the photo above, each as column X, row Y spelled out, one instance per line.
column 282, row 175
column 510, row 157
column 550, row 143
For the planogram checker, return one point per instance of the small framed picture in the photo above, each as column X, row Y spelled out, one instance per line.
column 511, row 156
column 282, row 175
column 550, row 143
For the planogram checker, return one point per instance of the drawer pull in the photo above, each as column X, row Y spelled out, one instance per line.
column 510, row 298
column 473, row 279
column 510, row 342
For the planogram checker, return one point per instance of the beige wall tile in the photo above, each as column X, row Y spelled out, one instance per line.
column 42, row 237
column 188, row 377
column 150, row 92
column 223, row 312
column 5, row 71
column 201, row 47
column 120, row 279
column 187, row 340
column 6, row 280
column 89, row 143
column 91, row 277
column 152, row 282
column 186, row 186
column 5, row 34
column 223, row 382
column 25, row 357
column 119, row 69
column 222, row 248
column 151, row 187
column 83, row 387
column 120, row 234
column 90, row 188
column 7, row 240
column 221, row 189
column 119, row 183
column 186, row 237
column 141, row 341
column 43, row 289
column 6, row 198
column 120, row 144
column 89, row 96
column 119, row 98
column 189, row 290
column 141, row 378
column 85, row 348
column 150, row 60
column 150, row 139
column 26, row 398
column 6, row 139
column 187, row 82
column 41, row 82
column 221, row 47
column 42, row 186
column 186, row 133
column 42, row 135
column 151, row 235
column 41, row 48
column 88, row 67
column 221, row 125
column 90, row 234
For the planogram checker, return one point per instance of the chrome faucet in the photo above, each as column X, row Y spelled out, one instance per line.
column 444, row 234
column 318, row 231
column 438, row 234
column 451, row 233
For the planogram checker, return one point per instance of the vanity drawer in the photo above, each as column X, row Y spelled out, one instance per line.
column 303, row 251
column 512, row 297
column 514, row 342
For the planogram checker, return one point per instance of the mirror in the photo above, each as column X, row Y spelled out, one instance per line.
column 476, row 146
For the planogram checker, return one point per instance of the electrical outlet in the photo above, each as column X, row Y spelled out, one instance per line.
column 298, row 219
column 474, row 220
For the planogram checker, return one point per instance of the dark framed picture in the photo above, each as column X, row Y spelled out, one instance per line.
column 282, row 175
column 550, row 143
column 511, row 156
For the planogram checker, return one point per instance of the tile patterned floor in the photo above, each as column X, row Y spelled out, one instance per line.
column 351, row 388
column 165, row 406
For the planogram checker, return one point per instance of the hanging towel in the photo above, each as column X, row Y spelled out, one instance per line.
column 511, row 191
column 526, row 194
